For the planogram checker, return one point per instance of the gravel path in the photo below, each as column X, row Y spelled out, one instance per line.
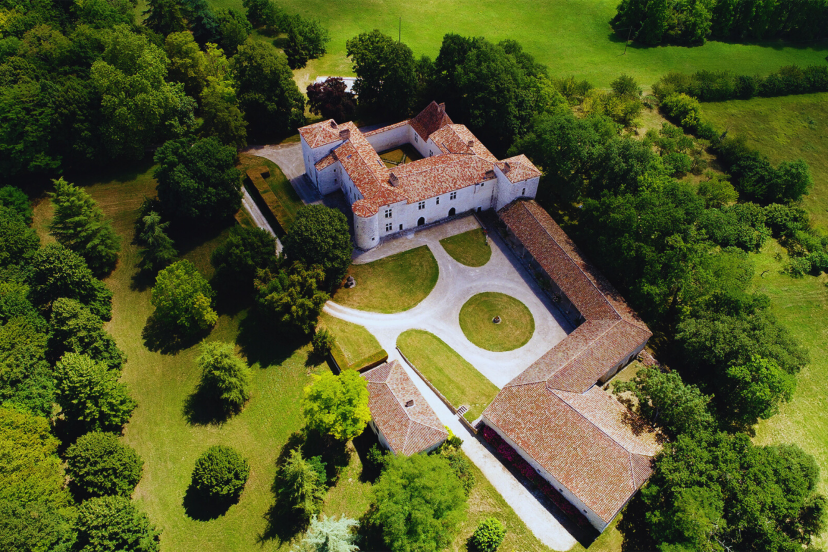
column 439, row 314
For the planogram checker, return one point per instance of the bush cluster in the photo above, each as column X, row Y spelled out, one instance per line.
column 489, row 535
column 220, row 473
column 101, row 465
column 720, row 86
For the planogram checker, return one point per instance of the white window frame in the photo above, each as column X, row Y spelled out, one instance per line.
column 389, row 226
column 388, row 213
column 421, row 206
column 452, row 196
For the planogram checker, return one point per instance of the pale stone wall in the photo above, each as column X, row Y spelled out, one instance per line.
column 614, row 370
column 389, row 139
column 366, row 232
column 508, row 192
column 593, row 518
column 327, row 180
column 418, row 143
column 311, row 156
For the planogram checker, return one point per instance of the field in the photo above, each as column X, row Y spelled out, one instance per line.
column 355, row 342
column 514, row 330
column 392, row 284
column 469, row 248
column 572, row 37
column 784, row 128
column 456, row 379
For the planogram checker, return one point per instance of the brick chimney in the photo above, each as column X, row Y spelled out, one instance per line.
column 333, row 123
column 506, row 168
column 470, row 143
column 441, row 108
column 393, row 179
column 345, row 133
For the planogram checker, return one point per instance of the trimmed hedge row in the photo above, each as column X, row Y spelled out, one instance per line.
column 370, row 361
column 719, row 86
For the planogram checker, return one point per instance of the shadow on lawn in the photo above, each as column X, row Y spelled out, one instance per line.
column 264, row 343
column 160, row 337
column 202, row 407
column 201, row 508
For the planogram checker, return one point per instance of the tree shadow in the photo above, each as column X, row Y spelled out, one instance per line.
column 202, row 508
column 202, row 407
column 370, row 471
column 369, row 534
column 160, row 337
column 231, row 299
column 333, row 452
column 633, row 526
column 283, row 523
column 263, row 343
column 142, row 280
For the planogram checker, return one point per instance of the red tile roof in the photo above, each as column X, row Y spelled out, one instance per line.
column 319, row 134
column 459, row 139
column 430, row 120
column 518, row 168
column 408, row 429
column 579, row 434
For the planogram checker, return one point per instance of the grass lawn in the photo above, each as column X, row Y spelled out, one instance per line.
column 784, row 129
column 802, row 306
column 393, row 284
column 278, row 184
column 403, row 154
column 355, row 341
column 469, row 248
column 572, row 37
column 515, row 329
column 456, row 379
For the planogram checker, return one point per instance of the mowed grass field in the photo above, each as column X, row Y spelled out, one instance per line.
column 572, row 37
column 469, row 248
column 784, row 128
column 514, row 330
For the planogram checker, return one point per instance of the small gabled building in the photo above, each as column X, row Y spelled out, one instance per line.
column 457, row 173
column 400, row 416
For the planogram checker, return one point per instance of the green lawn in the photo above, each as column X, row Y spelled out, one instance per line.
column 456, row 379
column 355, row 341
column 392, row 284
column 784, row 128
column 514, row 330
column 280, row 186
column 572, row 37
column 802, row 306
column 469, row 248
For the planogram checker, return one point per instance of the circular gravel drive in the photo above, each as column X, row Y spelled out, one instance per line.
column 514, row 330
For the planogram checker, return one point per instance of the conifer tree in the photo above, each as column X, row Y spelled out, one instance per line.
column 329, row 535
column 159, row 251
column 79, row 224
column 299, row 486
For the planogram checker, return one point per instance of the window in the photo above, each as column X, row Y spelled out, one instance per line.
column 524, row 192
column 438, row 201
column 388, row 213
column 388, row 227
column 415, row 138
column 453, row 195
column 482, row 184
column 400, row 226
column 421, row 206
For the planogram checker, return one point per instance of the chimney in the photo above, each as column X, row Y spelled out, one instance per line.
column 345, row 133
column 441, row 108
column 409, row 403
column 471, row 143
column 506, row 167
column 394, row 180
column 333, row 123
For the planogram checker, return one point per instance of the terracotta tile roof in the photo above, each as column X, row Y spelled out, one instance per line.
column 325, row 162
column 518, row 168
column 438, row 175
column 580, row 434
column 408, row 429
column 319, row 134
column 430, row 120
column 459, row 139
column 599, row 470
column 386, row 128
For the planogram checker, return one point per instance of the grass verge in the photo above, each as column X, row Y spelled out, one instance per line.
column 287, row 203
column 784, row 129
column 469, row 248
column 514, row 330
column 392, row 284
column 456, row 379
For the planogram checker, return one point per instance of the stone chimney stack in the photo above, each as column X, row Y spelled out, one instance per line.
column 441, row 108
column 393, row 179
column 506, row 168
column 333, row 123
column 345, row 133
column 471, row 143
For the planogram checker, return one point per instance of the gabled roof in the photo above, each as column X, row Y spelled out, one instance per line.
column 578, row 433
column 518, row 168
column 408, row 429
column 459, row 139
column 319, row 134
column 430, row 120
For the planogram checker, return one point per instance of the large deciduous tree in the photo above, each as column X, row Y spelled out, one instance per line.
column 386, row 73
column 320, row 236
column 182, row 298
column 225, row 377
column 164, row 17
column 198, row 181
column 331, row 99
column 419, row 503
column 220, row 473
column 292, row 299
column 241, row 255
column 114, row 523
column 233, row 28
column 18, row 242
column 306, row 40
column 337, row 405
column 58, row 272
column 80, row 225
column 268, row 95
column 77, row 329
column 100, row 464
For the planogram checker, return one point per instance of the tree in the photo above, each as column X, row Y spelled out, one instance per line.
column 268, row 95
column 244, row 252
column 164, row 17
column 59, row 272
column 292, row 298
column 114, row 523
column 299, row 489
column 489, row 535
column 306, row 40
column 265, row 13
column 18, row 242
column 224, row 376
column 331, row 100
column 89, row 394
column 221, row 115
column 323, row 341
column 320, row 235
column 187, row 64
column 694, row 500
column 337, row 405
column 233, row 27
column 182, row 298
column 33, row 528
column 385, row 70
column 13, row 198
column 220, row 473
column 100, row 464
column 419, row 503
column 201, row 19
column 329, row 535
column 757, row 388
column 159, row 250
column 198, row 181
column 664, row 399
column 76, row 329
column 138, row 106
column 79, row 224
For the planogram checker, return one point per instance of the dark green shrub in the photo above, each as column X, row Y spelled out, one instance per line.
column 489, row 535
column 322, row 342
column 100, row 464
column 220, row 473
column 114, row 523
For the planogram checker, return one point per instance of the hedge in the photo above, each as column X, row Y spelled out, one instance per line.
column 370, row 361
